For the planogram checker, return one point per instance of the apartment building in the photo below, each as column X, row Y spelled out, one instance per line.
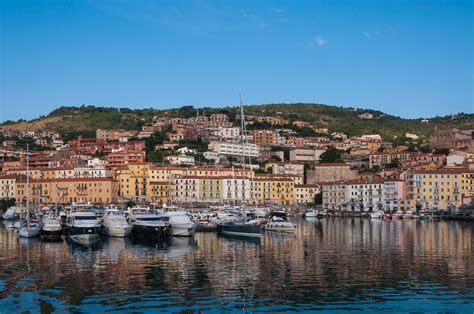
column 264, row 137
column 234, row 149
column 335, row 195
column 306, row 154
column 306, row 193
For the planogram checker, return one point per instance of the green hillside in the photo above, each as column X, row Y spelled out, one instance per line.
column 86, row 119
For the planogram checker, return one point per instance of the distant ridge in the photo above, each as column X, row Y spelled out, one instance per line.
column 86, row 119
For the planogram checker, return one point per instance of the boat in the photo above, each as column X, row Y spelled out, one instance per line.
column 10, row 214
column 280, row 225
column 240, row 228
column 52, row 228
column 398, row 214
column 83, row 227
column 30, row 229
column 180, row 224
column 311, row 213
column 387, row 216
column 322, row 213
column 408, row 215
column 146, row 222
column 376, row 214
column 114, row 224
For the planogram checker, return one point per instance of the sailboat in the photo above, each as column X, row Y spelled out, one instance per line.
column 243, row 228
column 30, row 229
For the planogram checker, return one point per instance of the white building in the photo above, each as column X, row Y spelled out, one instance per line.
column 394, row 194
column 234, row 149
column 226, row 134
column 234, row 188
column 187, row 188
column 180, row 160
column 95, row 172
column 365, row 195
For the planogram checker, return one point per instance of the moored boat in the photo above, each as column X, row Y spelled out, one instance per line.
column 376, row 214
column 114, row 224
column 52, row 228
column 408, row 215
column 9, row 214
column 83, row 227
column 398, row 214
column 180, row 224
column 311, row 213
column 146, row 222
column 279, row 224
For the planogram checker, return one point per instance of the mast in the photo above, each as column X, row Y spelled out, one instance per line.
column 27, row 187
column 242, row 126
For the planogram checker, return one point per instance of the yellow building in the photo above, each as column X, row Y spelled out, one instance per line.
column 210, row 189
column 161, row 192
column 273, row 190
column 133, row 180
column 7, row 186
column 443, row 188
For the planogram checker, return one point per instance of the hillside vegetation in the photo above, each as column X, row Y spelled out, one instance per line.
column 86, row 119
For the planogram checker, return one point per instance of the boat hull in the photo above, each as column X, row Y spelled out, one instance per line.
column 243, row 230
column 83, row 235
column 29, row 232
column 286, row 229
column 51, row 234
column 148, row 231
column 119, row 232
column 182, row 230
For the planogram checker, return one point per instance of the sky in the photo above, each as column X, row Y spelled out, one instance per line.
column 408, row 58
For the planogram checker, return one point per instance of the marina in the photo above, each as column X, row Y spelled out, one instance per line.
column 342, row 264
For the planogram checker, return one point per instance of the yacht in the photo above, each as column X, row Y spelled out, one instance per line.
column 233, row 228
column 408, row 215
column 114, row 224
column 10, row 214
column 83, row 227
column 279, row 224
column 376, row 214
column 146, row 222
column 180, row 224
column 52, row 228
column 311, row 213
column 398, row 214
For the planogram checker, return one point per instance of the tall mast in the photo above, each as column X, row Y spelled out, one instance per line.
column 242, row 126
column 27, row 187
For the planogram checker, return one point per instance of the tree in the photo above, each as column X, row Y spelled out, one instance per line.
column 318, row 198
column 332, row 154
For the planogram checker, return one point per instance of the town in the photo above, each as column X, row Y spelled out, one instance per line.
column 197, row 162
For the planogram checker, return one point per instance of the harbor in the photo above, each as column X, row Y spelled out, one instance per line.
column 340, row 264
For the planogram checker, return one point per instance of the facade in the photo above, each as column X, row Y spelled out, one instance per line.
column 271, row 190
column 264, row 137
column 365, row 195
column 330, row 172
column 133, row 181
column 7, row 186
column 306, row 154
column 334, row 195
column 452, row 138
column 234, row 149
column 305, row 194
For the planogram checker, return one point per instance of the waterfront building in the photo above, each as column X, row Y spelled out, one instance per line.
column 306, row 193
column 365, row 195
column 335, row 195
column 7, row 186
column 133, row 180
column 273, row 190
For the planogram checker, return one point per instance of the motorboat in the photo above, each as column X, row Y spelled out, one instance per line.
column 10, row 214
column 146, row 222
column 322, row 213
column 408, row 215
column 180, row 224
column 83, row 227
column 377, row 214
column 242, row 229
column 52, row 227
column 311, row 213
column 280, row 225
column 398, row 214
column 387, row 216
column 30, row 229
column 114, row 224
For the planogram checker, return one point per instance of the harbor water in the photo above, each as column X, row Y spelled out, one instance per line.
column 333, row 264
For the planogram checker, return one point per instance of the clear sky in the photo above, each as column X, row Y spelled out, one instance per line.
column 409, row 58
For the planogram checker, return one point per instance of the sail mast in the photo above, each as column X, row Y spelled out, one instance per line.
column 27, row 187
column 242, row 126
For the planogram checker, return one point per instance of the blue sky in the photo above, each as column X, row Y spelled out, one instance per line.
column 408, row 58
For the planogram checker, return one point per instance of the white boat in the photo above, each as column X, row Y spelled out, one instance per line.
column 114, row 224
column 180, row 224
column 146, row 222
column 280, row 225
column 311, row 213
column 398, row 214
column 83, row 227
column 17, row 224
column 408, row 215
column 377, row 214
column 10, row 214
column 30, row 230
column 52, row 228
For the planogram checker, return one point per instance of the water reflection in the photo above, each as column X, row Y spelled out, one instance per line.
column 330, row 264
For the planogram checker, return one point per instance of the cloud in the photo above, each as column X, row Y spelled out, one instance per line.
column 318, row 41
column 367, row 34
column 277, row 10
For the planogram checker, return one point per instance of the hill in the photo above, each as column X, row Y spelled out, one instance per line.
column 86, row 119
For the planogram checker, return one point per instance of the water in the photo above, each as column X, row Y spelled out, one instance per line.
column 330, row 264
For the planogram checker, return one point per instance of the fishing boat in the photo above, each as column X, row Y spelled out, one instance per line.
column 83, row 227
column 242, row 228
column 279, row 224
column 114, row 224
column 180, row 224
column 146, row 222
